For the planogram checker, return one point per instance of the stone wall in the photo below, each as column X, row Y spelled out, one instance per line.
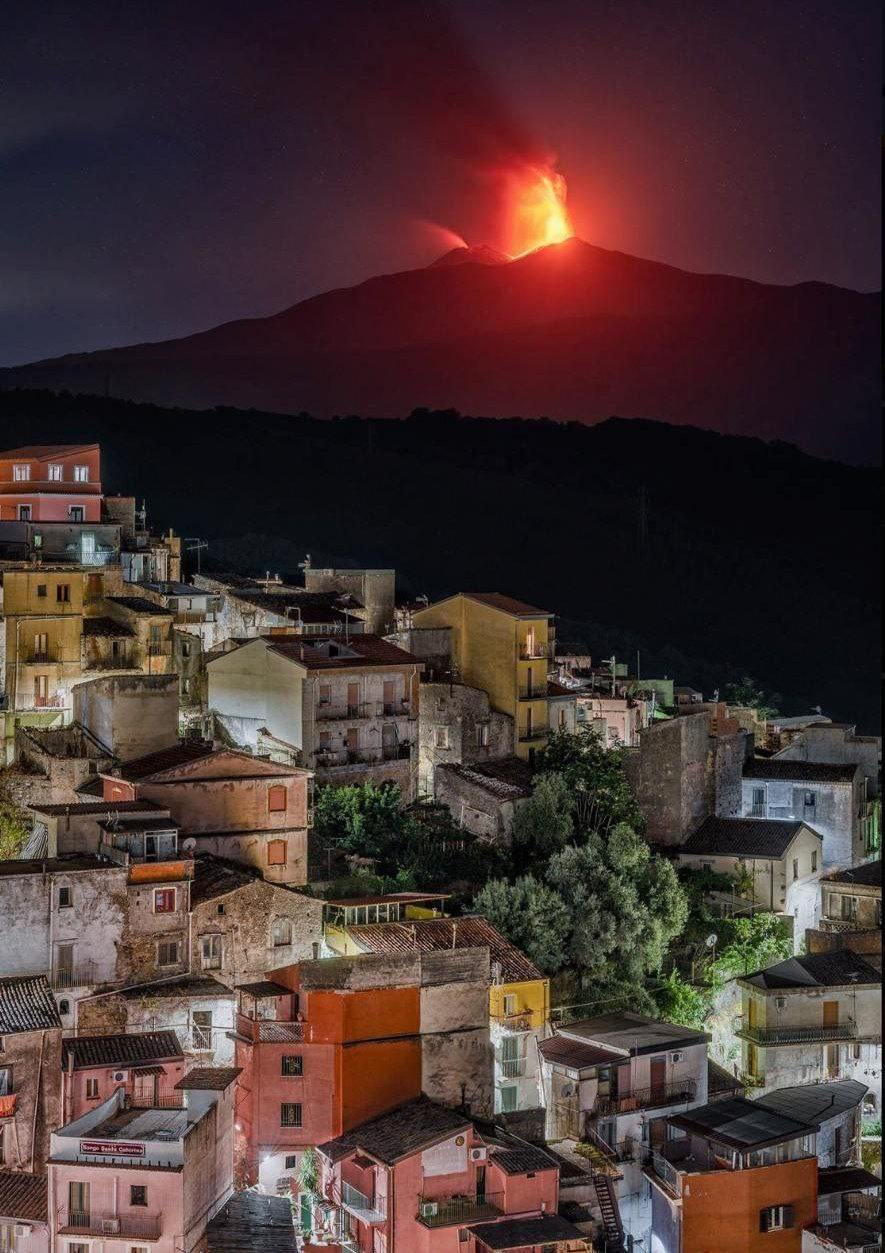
column 35, row 1060
column 131, row 715
column 456, row 726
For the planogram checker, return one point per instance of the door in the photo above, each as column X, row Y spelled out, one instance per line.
column 145, row 1089
column 831, row 1013
column 201, row 1020
column 41, row 690
column 510, row 1056
column 388, row 741
column 352, row 739
column 389, row 696
column 752, row 1015
column 480, row 1183
column 353, row 699
column 64, row 966
column 87, row 548
column 658, row 1074
column 41, row 646
column 78, row 1204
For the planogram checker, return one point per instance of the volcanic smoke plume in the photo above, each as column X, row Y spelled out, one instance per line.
column 419, row 78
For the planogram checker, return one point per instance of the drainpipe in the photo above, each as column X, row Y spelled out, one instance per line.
column 37, row 1100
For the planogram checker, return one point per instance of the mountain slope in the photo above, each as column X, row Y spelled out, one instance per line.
column 571, row 331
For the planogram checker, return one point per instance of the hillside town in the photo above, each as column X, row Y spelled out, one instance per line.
column 336, row 920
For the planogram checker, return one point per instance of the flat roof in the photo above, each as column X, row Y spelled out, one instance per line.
column 741, row 1124
column 141, row 1124
column 632, row 1033
column 390, row 898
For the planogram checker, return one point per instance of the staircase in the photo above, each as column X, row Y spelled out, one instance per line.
column 607, row 1199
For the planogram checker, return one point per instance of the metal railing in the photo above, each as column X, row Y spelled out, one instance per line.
column 162, row 1100
column 646, row 1098
column 516, row 1022
column 666, row 1172
column 539, row 692
column 75, row 977
column 770, row 1036
column 532, row 651
column 533, row 733
column 91, row 1222
column 449, row 1211
column 512, row 1067
column 366, row 1209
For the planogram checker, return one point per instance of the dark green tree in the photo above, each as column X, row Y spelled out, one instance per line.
column 601, row 795
column 531, row 915
column 543, row 824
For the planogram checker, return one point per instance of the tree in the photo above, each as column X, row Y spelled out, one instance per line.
column 752, row 943
column 14, row 828
column 748, row 693
column 531, row 915
column 683, row 1002
column 362, row 819
column 596, row 779
column 543, row 823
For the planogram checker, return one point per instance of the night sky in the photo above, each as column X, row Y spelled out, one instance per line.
column 166, row 167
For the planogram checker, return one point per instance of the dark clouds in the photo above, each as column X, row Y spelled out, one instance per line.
column 166, row 167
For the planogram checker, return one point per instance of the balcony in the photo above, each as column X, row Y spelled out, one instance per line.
column 537, row 692
column 847, row 1236
column 772, row 1037
column 516, row 1022
column 452, row 1211
column 92, row 1223
column 160, row 1100
column 645, row 1098
column 529, row 734
column 270, row 1031
column 7, row 1105
column 531, row 650
column 512, row 1067
column 73, row 977
column 366, row 1209
column 840, row 924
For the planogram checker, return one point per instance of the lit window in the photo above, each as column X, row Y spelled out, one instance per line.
column 55, row 473
column 21, row 474
column 164, row 901
column 276, row 853
column 81, row 474
column 276, row 800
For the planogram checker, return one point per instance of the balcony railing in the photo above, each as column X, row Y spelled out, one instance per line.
column 769, row 1037
column 531, row 650
column 73, row 977
column 533, row 733
column 840, row 924
column 512, row 1067
column 516, row 1022
column 92, row 1223
column 645, row 1098
column 449, row 1211
column 7, row 1105
column 162, row 1100
column 831, row 1235
column 366, row 1209
column 537, row 692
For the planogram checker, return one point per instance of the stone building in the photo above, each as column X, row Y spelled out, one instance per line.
column 831, row 797
column 851, row 900
column 67, row 916
column 131, row 715
column 483, row 796
column 683, row 773
column 372, row 592
column 52, row 763
column 837, row 742
column 30, row 1071
column 457, row 726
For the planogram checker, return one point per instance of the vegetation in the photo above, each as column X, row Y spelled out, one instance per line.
column 14, row 827
column 746, row 691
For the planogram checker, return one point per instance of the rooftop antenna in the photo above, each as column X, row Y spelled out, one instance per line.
column 195, row 546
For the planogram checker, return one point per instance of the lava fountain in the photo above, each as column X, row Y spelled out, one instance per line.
column 535, row 209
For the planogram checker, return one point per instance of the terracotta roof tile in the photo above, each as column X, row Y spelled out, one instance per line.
column 120, row 1050
column 398, row 1134
column 508, row 604
column 441, row 934
column 208, row 1078
column 800, row 771
column 27, row 1004
column 23, row 1196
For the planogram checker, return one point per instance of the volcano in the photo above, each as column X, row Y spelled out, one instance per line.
column 569, row 331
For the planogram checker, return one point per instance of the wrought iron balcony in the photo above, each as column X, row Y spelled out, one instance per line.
column 772, row 1037
column 531, row 650
column 528, row 734
column 646, row 1098
column 537, row 692
column 73, row 977
column 366, row 1209
column 451, row 1211
column 512, row 1067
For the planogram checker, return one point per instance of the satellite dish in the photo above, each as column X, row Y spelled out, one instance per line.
column 188, row 845
column 567, row 1089
column 711, row 940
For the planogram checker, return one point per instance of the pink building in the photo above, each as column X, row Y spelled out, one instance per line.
column 619, row 718
column 146, row 1064
column 24, row 1218
column 139, row 1175
column 51, row 483
column 424, row 1179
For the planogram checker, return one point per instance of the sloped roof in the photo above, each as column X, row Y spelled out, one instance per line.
column 816, row 970
column 359, row 650
column 742, row 1124
column 775, row 769
column 815, row 1102
column 633, row 1033
column 87, row 808
column 831, row 1179
column 743, row 837
column 522, row 1233
column 141, row 605
column 508, row 604
column 252, row 1223
column 23, row 1196
column 868, row 875
column 428, row 935
column 574, row 1054
column 209, row 1078
column 122, row 1049
column 408, row 1129
column 521, row 1159
column 215, row 876
column 505, row 778
column 41, row 452
column 180, row 754
column 178, row 986
column 27, row 1004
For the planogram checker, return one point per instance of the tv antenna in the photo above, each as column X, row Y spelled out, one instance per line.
column 195, row 545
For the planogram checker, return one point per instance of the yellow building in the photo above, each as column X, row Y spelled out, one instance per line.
column 519, row 994
column 502, row 646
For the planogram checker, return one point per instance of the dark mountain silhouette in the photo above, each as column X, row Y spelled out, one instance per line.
column 713, row 555
column 571, row 331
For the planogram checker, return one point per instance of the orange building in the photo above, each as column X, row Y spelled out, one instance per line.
column 326, row 1045
column 738, row 1177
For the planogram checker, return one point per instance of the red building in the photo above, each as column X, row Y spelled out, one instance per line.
column 426, row 1179
column 146, row 1065
column 325, row 1045
column 51, row 483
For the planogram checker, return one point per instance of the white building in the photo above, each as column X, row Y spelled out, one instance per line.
column 830, row 797
column 813, row 1018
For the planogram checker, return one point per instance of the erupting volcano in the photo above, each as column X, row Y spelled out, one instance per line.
column 536, row 210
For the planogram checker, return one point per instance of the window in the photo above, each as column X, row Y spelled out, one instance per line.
column 291, row 1161
column 281, row 932
column 92, row 1089
column 54, row 473
column 63, row 593
column 482, row 735
column 65, row 898
column 168, row 952
column 138, row 1194
column 776, row 1218
column 201, row 1023
column 813, row 860
column 292, row 1065
column 795, row 867
column 758, row 800
column 64, row 1007
column 210, row 951
column 21, row 474
column 290, row 1114
column 276, row 853
column 156, row 636
column 24, row 513
column 41, row 590
column 508, row 1099
column 81, row 474
column 510, row 1004
column 78, row 1200
column 77, row 513
column 164, row 901
column 849, row 908
column 809, row 799
column 325, row 693
column 442, row 737
column 5, row 1080
column 276, row 800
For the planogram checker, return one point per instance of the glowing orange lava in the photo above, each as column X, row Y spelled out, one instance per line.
column 537, row 210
